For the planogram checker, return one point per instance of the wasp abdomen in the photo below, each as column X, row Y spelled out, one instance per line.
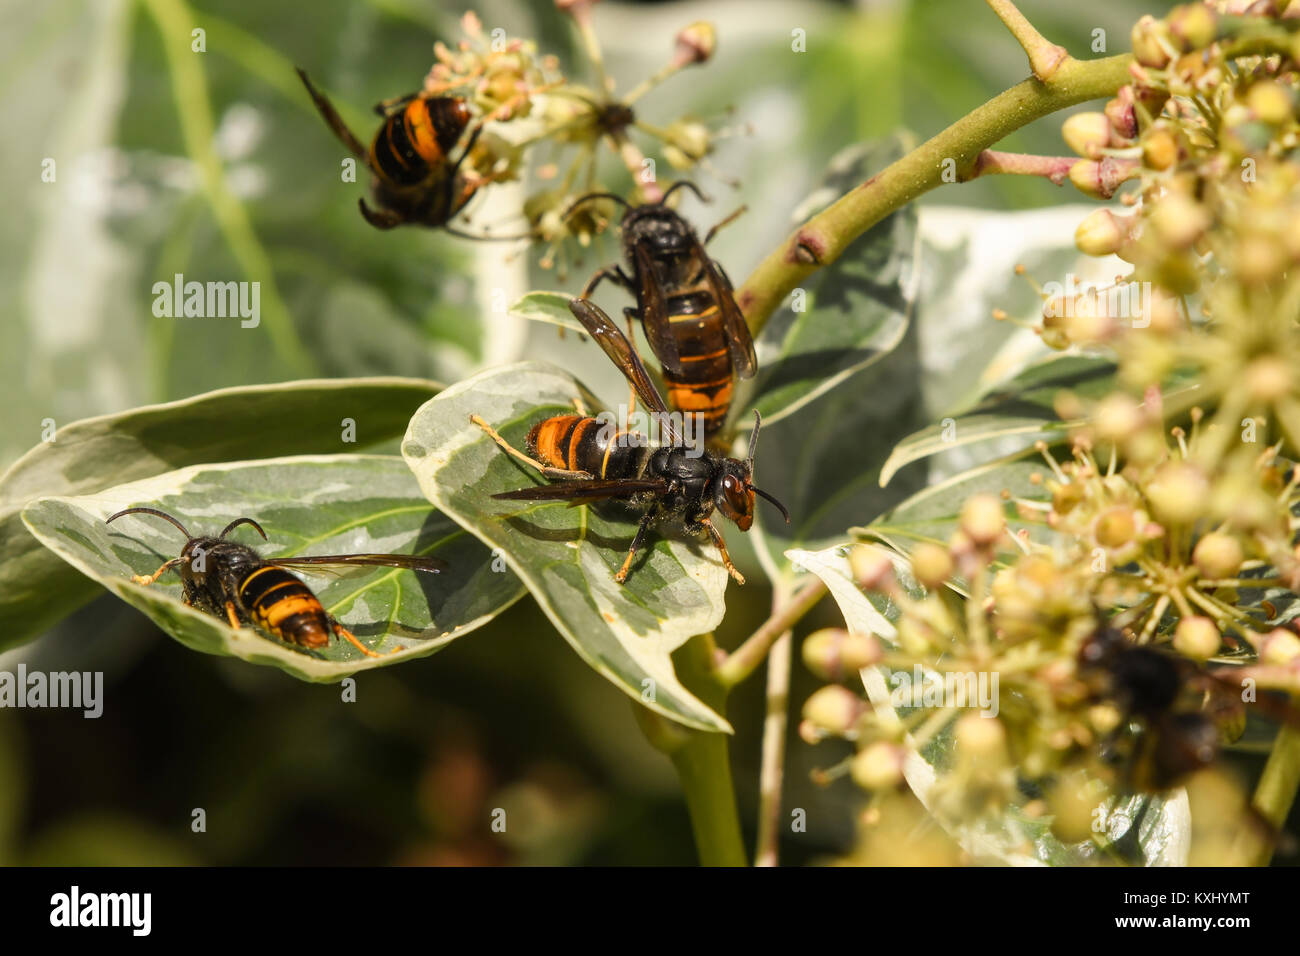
column 414, row 142
column 579, row 443
column 703, row 384
column 285, row 606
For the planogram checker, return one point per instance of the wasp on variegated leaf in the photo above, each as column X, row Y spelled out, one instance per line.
column 589, row 460
column 233, row 582
column 417, row 181
column 686, row 305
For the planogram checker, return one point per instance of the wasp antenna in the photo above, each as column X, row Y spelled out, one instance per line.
column 237, row 522
column 753, row 440
column 149, row 511
column 592, row 196
column 784, row 514
column 686, row 183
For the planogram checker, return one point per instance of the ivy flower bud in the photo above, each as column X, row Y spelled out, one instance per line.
column 695, row 44
column 1279, row 648
column 1270, row 102
column 1100, row 179
column 1269, row 378
column 878, row 766
column 1197, row 638
column 1259, row 258
column 833, row 709
column 1192, row 26
column 1122, row 114
column 1072, row 809
column 981, row 738
column 1218, row 556
column 932, row 564
column 871, row 568
column 1086, row 133
column 1179, row 220
column 982, row 519
column 1178, row 492
column 686, row 142
column 1100, row 234
column 1159, row 149
column 1115, row 527
column 1118, row 418
column 832, row 653
column 1146, row 36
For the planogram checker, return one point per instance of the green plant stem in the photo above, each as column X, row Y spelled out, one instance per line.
column 1045, row 57
column 703, row 764
column 745, row 659
column 771, row 772
column 823, row 238
column 175, row 21
column 1277, row 788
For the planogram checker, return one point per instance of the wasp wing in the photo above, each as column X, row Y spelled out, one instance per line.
column 739, row 341
column 655, row 318
column 406, row 562
column 615, row 344
column 586, row 490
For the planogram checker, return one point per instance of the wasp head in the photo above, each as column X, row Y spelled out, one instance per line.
column 734, row 489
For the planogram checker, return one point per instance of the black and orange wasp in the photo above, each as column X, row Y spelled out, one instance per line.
column 588, row 460
column 233, row 582
column 685, row 303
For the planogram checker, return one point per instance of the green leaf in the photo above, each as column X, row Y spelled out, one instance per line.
column 1162, row 824
column 1021, row 407
column 549, row 307
column 327, row 504
column 848, row 315
column 232, row 423
column 823, row 462
column 932, row 514
column 567, row 556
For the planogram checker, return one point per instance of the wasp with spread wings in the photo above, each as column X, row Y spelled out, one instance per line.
column 232, row 581
column 588, row 460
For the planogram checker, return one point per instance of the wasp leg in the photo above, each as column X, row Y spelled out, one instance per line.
column 613, row 273
column 147, row 579
column 646, row 519
column 232, row 616
column 717, row 227
column 546, row 470
column 722, row 547
column 384, row 107
column 347, row 635
column 380, row 218
column 631, row 315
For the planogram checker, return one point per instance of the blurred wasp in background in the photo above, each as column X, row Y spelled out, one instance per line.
column 417, row 179
column 1174, row 712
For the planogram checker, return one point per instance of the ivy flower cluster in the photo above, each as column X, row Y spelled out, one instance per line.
column 567, row 124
